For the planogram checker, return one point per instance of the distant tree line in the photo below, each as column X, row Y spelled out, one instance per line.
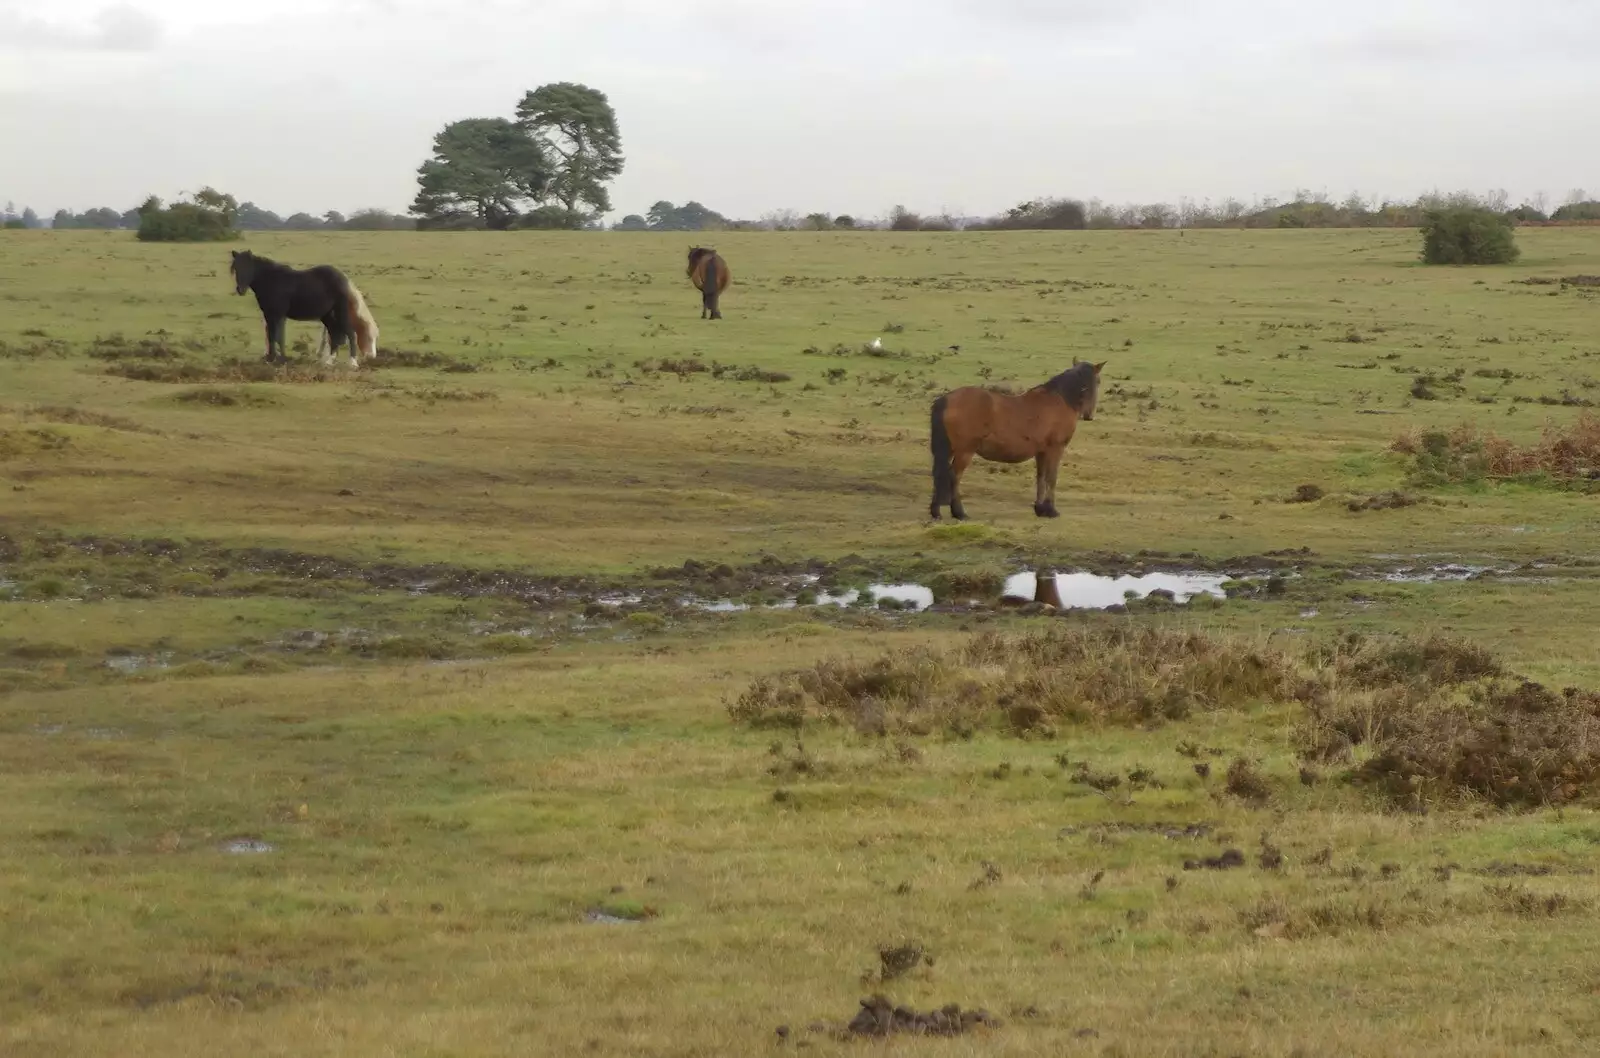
column 1305, row 210
column 497, row 209
column 249, row 217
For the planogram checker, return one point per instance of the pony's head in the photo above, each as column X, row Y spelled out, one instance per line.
column 243, row 269
column 697, row 252
column 1091, row 392
column 1079, row 386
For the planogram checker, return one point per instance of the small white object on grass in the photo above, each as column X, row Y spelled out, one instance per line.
column 877, row 343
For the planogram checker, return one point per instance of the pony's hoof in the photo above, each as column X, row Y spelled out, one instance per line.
column 1047, row 512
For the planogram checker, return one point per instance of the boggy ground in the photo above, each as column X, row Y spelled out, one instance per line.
column 382, row 714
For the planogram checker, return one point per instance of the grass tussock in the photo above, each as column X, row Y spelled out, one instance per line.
column 1469, row 454
column 1028, row 681
column 74, row 416
column 1414, row 719
column 1513, row 743
column 224, row 398
column 236, row 370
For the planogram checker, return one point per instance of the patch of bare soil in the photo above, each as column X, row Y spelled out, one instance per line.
column 1226, row 860
column 880, row 1017
column 1385, row 501
column 423, row 360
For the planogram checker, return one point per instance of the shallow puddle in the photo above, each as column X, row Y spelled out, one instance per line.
column 909, row 596
column 246, row 847
column 1429, row 574
column 1091, row 591
column 127, row 664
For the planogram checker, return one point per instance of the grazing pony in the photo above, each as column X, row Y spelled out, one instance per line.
column 709, row 273
column 284, row 293
column 365, row 327
column 974, row 421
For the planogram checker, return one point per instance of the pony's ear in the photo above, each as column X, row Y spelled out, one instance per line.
column 1098, row 366
column 236, row 255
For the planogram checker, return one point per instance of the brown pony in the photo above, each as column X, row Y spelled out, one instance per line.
column 973, row 421
column 709, row 274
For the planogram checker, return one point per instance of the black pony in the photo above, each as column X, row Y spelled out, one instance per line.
column 284, row 293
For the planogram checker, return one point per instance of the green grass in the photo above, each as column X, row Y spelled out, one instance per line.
column 451, row 777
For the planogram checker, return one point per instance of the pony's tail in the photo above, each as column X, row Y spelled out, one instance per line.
column 939, row 442
column 362, row 325
column 709, row 280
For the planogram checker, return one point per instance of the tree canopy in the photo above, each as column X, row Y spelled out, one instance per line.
column 482, row 172
column 691, row 216
column 577, row 127
column 548, row 168
column 211, row 216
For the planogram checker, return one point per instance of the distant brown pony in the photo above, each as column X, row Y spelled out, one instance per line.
column 709, row 274
column 974, row 421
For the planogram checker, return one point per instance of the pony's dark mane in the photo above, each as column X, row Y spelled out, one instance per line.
column 264, row 264
column 1073, row 384
column 699, row 252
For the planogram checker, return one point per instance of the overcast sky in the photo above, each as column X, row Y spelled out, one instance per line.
column 836, row 105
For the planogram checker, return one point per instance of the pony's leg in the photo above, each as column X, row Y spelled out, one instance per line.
column 1040, row 488
column 270, row 330
column 958, row 466
column 1052, row 464
column 325, row 348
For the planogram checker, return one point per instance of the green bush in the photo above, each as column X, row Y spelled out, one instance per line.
column 552, row 218
column 209, row 218
column 1467, row 235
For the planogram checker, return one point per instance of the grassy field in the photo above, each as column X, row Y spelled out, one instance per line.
column 385, row 712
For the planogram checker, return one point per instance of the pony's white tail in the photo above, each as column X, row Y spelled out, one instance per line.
column 365, row 326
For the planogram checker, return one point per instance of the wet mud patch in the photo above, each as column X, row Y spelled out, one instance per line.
column 93, row 567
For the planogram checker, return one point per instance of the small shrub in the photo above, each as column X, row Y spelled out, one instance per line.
column 1512, row 743
column 209, row 218
column 1466, row 235
column 960, row 585
column 1467, row 454
column 646, row 623
column 1246, row 782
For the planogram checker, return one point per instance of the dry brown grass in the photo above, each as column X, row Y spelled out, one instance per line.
column 1026, row 682
column 1434, row 719
column 1469, row 453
